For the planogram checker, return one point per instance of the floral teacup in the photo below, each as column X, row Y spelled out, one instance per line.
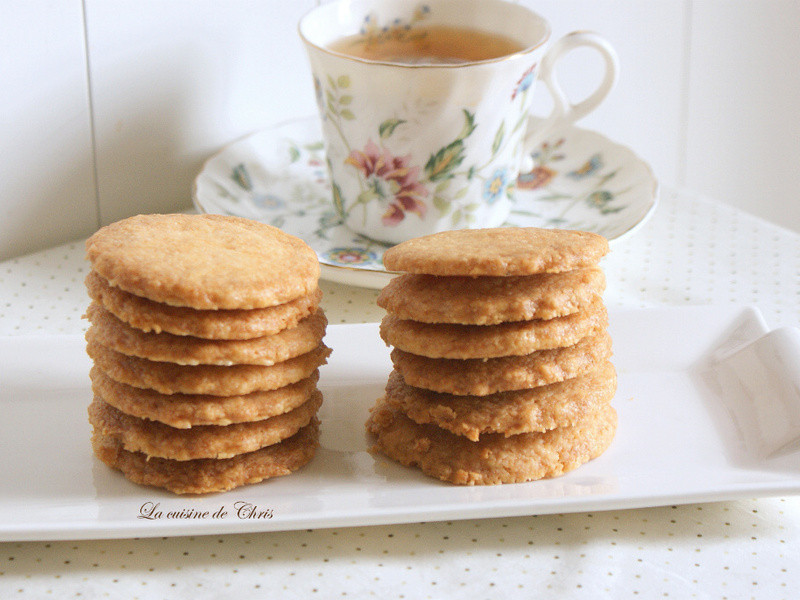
column 418, row 148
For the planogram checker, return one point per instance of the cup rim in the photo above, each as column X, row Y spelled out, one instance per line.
column 462, row 65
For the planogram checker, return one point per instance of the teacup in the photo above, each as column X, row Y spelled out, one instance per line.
column 425, row 107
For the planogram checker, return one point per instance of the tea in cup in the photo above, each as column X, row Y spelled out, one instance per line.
column 425, row 107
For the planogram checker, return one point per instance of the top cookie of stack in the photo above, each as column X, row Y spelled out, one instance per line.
column 206, row 338
column 501, row 355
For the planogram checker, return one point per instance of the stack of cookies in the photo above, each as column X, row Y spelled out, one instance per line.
column 500, row 353
column 206, row 337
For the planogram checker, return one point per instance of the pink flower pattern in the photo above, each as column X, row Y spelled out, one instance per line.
column 391, row 179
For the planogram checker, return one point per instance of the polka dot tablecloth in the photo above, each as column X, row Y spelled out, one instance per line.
column 693, row 251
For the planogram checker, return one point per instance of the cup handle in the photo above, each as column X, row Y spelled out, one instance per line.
column 564, row 112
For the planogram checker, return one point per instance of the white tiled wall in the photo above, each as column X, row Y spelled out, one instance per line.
column 47, row 191
column 173, row 80
column 109, row 107
column 743, row 125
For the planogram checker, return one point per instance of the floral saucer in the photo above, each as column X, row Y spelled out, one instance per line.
column 579, row 180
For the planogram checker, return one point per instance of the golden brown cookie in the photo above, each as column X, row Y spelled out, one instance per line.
column 509, row 413
column 112, row 333
column 204, row 261
column 186, row 410
column 450, row 340
column 497, row 252
column 204, row 441
column 214, row 380
column 206, row 475
column 490, row 300
column 495, row 458
column 480, row 377
column 234, row 324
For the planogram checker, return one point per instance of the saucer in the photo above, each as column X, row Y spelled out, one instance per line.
column 579, row 180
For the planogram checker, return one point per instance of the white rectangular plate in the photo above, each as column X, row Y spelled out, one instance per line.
column 676, row 443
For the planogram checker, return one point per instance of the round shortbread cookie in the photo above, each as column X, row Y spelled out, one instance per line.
column 449, row 340
column 214, row 380
column 509, row 413
column 490, row 300
column 112, row 333
column 481, row 377
column 234, row 324
column 204, row 261
column 204, row 441
column 183, row 411
column 207, row 475
column 495, row 458
column 497, row 252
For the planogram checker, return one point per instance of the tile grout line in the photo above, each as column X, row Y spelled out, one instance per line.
column 686, row 70
column 92, row 128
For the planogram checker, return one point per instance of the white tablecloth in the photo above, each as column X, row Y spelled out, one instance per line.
column 693, row 251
